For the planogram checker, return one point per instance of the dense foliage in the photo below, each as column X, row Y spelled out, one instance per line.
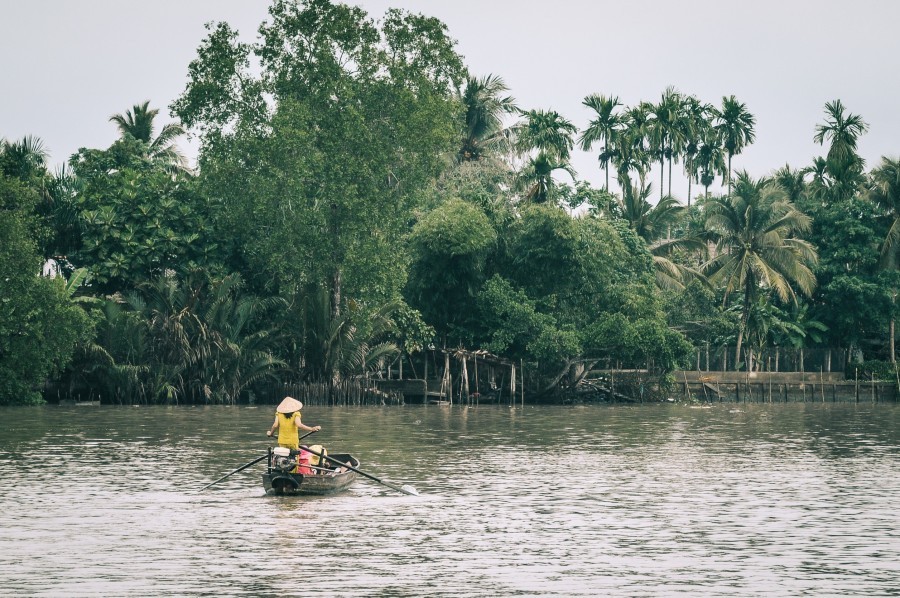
column 359, row 197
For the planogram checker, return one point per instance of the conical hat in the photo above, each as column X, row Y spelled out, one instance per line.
column 289, row 405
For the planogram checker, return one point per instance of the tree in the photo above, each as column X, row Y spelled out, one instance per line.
column 551, row 137
column 756, row 249
column 631, row 150
column 710, row 159
column 138, row 124
column 842, row 131
column 39, row 325
column 694, row 127
column 734, row 125
column 452, row 247
column 665, row 132
column 885, row 192
column 603, row 128
column 136, row 221
column 485, row 107
column 321, row 156
column 653, row 224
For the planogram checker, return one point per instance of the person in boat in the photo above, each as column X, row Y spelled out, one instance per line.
column 288, row 424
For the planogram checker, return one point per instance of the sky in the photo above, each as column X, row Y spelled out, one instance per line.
column 69, row 65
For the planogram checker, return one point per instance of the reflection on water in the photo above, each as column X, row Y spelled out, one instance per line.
column 746, row 500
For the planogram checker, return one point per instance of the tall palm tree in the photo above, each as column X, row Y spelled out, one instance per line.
column 552, row 138
column 756, row 248
column 631, row 152
column 842, row 131
column 695, row 126
column 710, row 159
column 604, row 128
column 138, row 124
column 485, row 107
column 735, row 126
column 664, row 132
column 885, row 192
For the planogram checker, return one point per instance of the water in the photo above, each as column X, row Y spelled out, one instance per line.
column 747, row 500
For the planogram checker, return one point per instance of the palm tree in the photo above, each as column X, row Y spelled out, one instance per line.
column 551, row 136
column 695, row 126
column 664, row 132
column 842, row 131
column 485, row 107
column 756, row 248
column 603, row 129
column 652, row 224
column 547, row 132
column 710, row 159
column 735, row 126
column 630, row 151
column 536, row 179
column 25, row 159
column 137, row 123
column 885, row 192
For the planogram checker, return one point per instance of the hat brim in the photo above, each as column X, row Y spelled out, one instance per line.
column 289, row 405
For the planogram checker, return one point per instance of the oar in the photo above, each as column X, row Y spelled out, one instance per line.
column 406, row 488
column 243, row 467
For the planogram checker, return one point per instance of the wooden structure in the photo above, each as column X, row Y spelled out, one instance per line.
column 463, row 376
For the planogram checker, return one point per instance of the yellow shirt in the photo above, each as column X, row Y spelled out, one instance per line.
column 287, row 430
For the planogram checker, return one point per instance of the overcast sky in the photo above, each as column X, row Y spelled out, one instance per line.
column 68, row 65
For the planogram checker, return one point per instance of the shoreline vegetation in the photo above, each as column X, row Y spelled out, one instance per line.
column 362, row 205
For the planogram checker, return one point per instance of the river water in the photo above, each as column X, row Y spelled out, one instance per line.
column 737, row 500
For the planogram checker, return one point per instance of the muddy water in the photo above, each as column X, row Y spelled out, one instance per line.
column 758, row 500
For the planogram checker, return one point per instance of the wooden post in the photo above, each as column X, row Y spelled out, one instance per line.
column 522, row 374
column 425, row 396
column 857, row 384
column 512, row 385
column 822, row 384
column 401, row 366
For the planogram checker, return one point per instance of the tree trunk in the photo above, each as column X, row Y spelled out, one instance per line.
column 662, row 176
column 689, row 190
column 336, row 265
column 670, row 175
column 893, row 353
column 745, row 317
column 729, row 174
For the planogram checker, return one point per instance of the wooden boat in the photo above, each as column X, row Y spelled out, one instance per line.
column 328, row 479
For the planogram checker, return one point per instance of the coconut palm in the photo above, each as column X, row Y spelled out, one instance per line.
column 485, row 107
column 756, row 247
column 138, row 124
column 652, row 224
column 735, row 127
column 604, row 128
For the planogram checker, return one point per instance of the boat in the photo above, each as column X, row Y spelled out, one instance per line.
column 333, row 476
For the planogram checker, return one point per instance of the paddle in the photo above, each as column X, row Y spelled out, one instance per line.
column 406, row 489
column 255, row 461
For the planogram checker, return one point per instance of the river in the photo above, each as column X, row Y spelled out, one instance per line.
column 656, row 500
